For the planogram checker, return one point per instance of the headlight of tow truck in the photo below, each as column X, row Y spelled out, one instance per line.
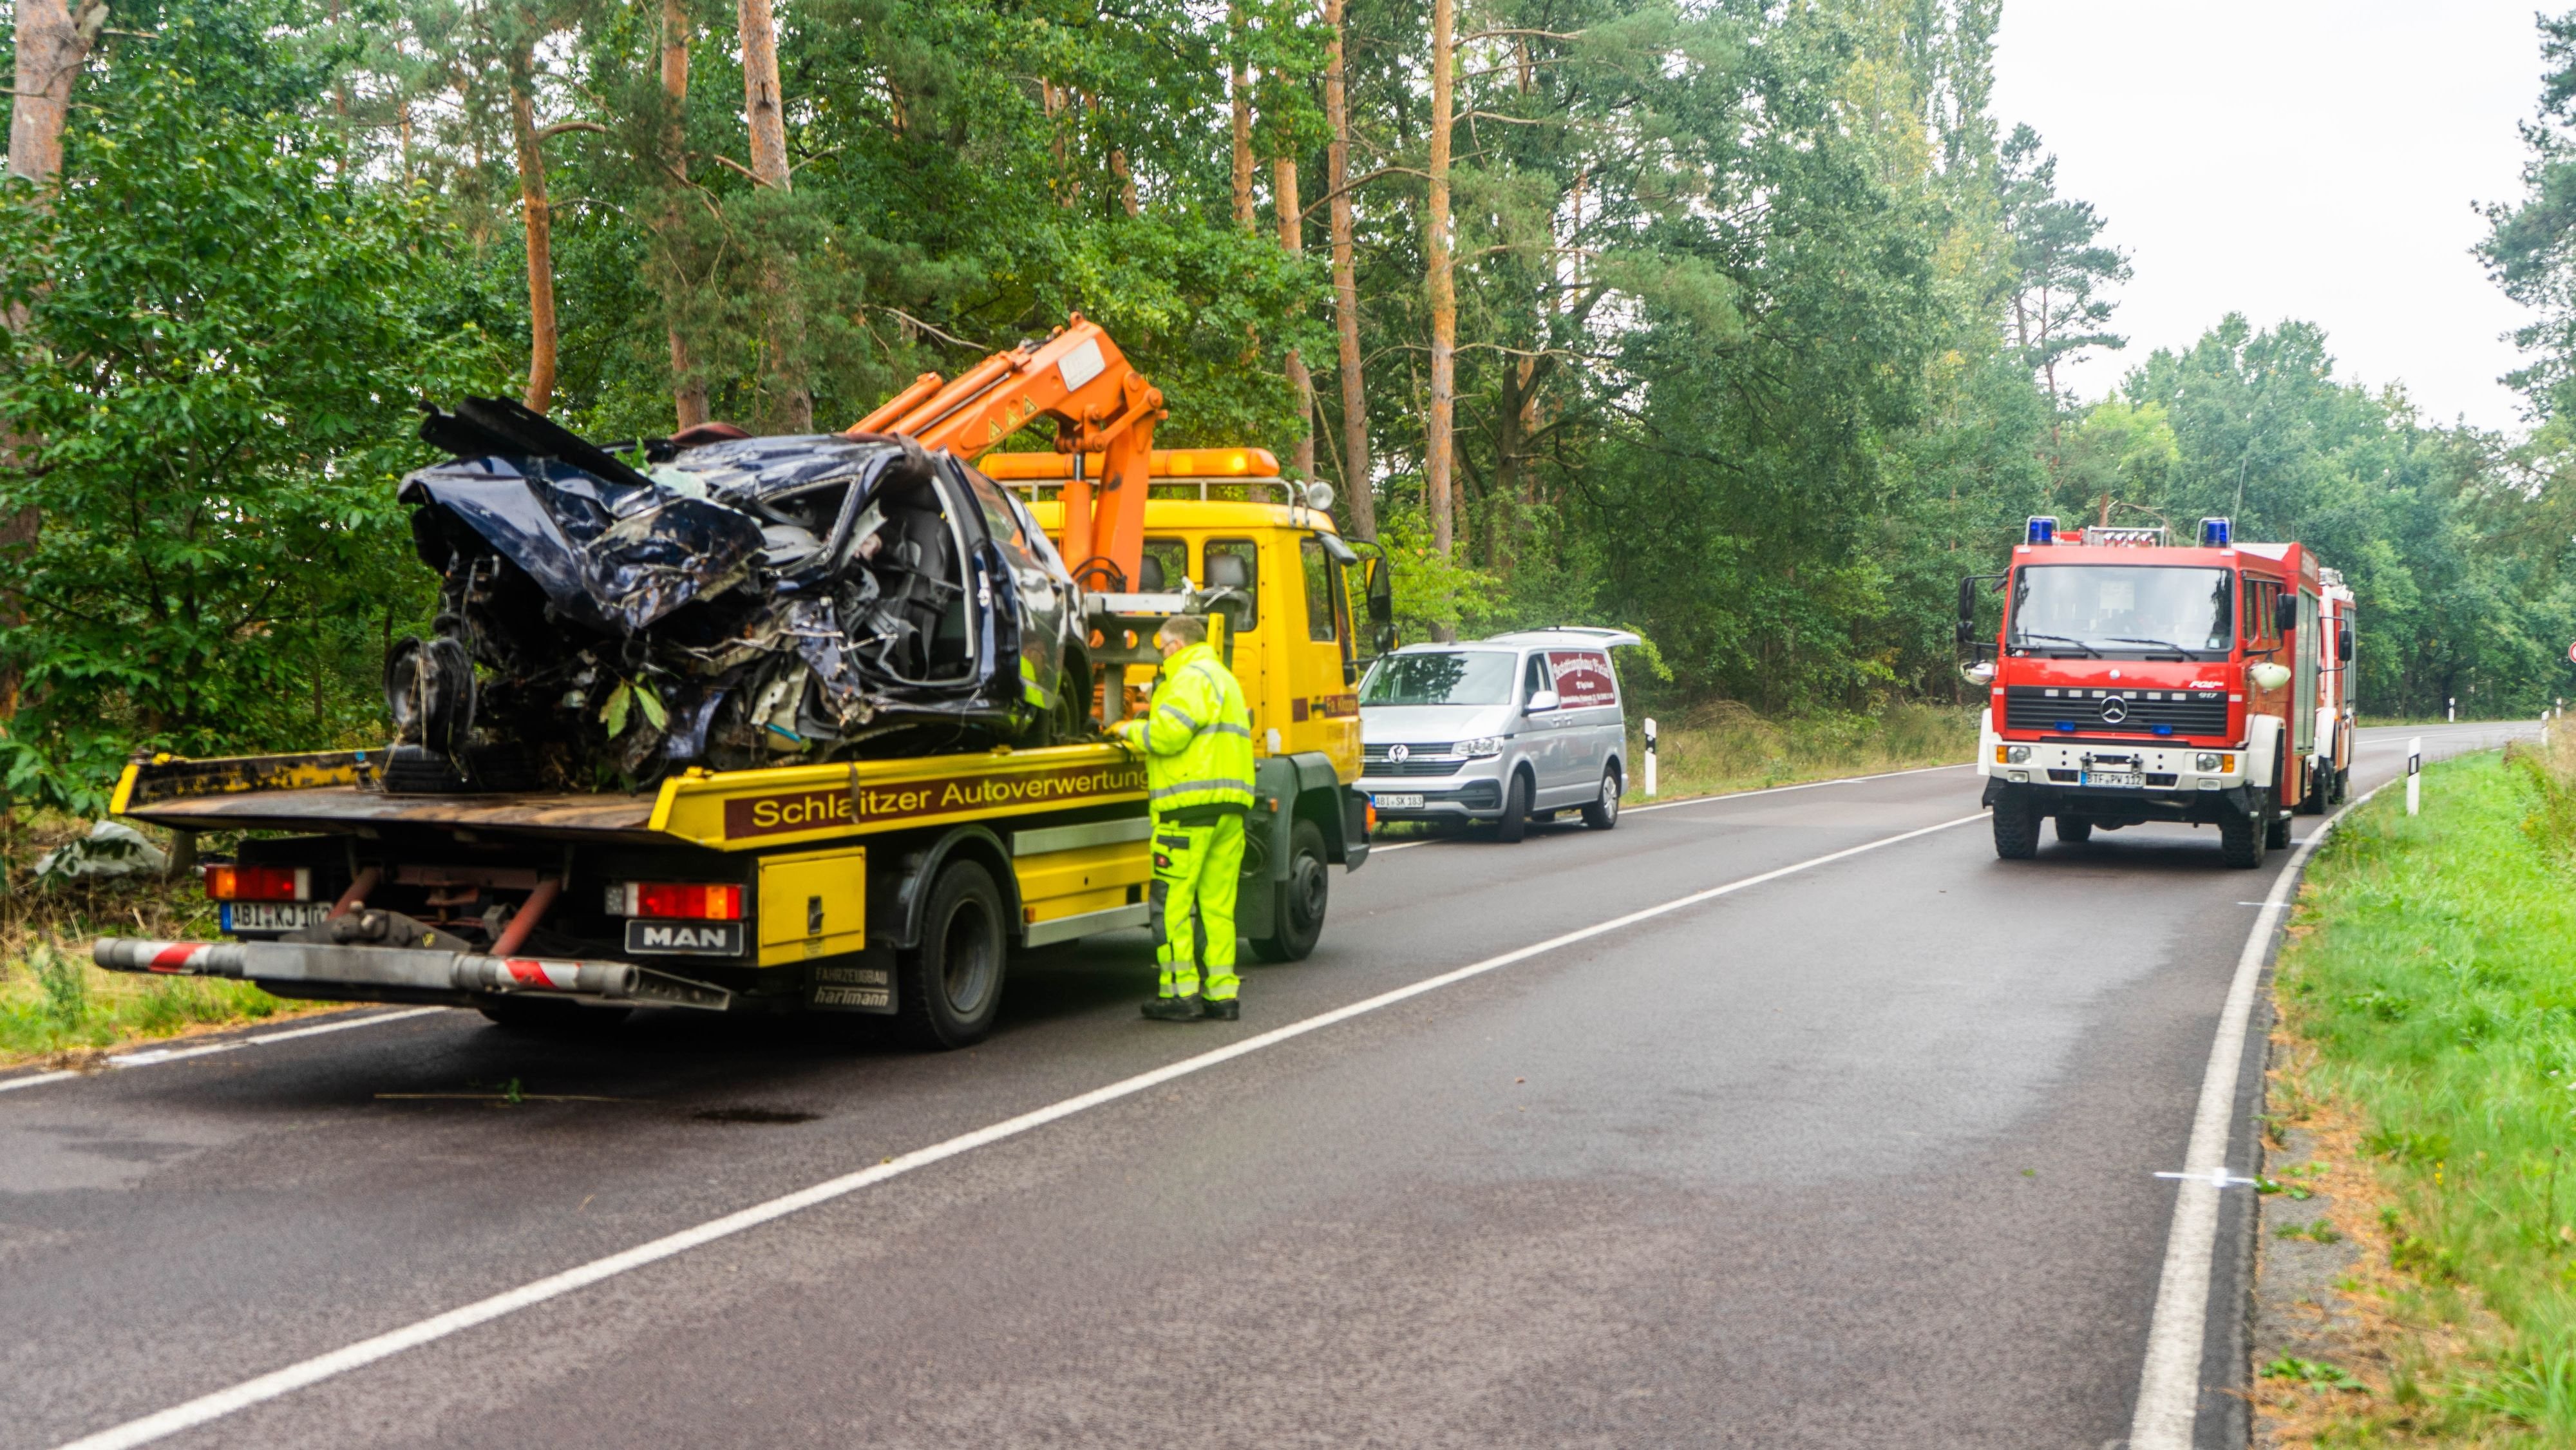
column 1481, row 746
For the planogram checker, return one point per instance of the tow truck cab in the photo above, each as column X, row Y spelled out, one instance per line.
column 2133, row 680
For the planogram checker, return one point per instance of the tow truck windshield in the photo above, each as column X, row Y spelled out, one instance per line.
column 2134, row 609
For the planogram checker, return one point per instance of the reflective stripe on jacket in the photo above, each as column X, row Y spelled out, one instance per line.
column 1196, row 736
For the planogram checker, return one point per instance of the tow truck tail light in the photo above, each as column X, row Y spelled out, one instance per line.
column 259, row 883
column 688, row 901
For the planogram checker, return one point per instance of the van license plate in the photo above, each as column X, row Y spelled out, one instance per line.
column 2134, row 780
column 1409, row 802
column 273, row 915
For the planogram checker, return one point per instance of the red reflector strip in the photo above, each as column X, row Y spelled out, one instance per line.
column 685, row 901
column 547, row 976
column 178, row 956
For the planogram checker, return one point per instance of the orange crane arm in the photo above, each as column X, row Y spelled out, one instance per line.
column 1079, row 378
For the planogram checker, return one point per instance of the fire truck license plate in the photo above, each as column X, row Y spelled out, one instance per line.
column 273, row 916
column 1387, row 802
column 2130, row 778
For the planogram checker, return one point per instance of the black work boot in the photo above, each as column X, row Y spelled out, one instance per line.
column 1173, row 1009
column 1228, row 1010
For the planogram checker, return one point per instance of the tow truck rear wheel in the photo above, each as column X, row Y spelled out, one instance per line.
column 2016, row 827
column 948, row 990
column 2241, row 839
column 2074, row 830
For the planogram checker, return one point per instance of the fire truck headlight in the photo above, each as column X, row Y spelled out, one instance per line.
column 2017, row 754
column 2206, row 760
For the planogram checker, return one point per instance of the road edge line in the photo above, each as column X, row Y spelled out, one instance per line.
column 278, row 1383
column 2168, row 1408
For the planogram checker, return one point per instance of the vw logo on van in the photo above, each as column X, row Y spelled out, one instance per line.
column 2114, row 710
column 1398, row 754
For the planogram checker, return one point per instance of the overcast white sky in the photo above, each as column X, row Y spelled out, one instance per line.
column 2316, row 159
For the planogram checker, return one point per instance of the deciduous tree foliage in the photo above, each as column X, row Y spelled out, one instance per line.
column 1753, row 319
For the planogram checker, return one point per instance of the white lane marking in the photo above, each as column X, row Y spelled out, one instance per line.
column 2169, row 1384
column 278, row 1383
column 39, row 1080
column 155, row 1056
column 1736, row 795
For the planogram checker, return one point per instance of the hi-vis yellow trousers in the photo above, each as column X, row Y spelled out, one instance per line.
column 1195, row 872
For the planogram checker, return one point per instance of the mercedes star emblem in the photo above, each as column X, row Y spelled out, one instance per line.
column 2114, row 710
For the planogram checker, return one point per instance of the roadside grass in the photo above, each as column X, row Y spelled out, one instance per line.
column 1725, row 746
column 2429, row 996
column 56, row 1005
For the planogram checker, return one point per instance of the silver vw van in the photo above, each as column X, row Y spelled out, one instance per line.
column 1508, row 729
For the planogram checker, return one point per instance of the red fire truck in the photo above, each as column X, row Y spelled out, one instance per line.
column 2134, row 679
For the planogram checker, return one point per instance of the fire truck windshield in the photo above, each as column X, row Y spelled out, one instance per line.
column 2135, row 609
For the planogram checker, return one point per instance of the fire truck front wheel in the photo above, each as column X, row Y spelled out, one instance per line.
column 2241, row 839
column 2016, row 826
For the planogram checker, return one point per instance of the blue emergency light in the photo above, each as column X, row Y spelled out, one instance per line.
column 2214, row 533
column 2043, row 529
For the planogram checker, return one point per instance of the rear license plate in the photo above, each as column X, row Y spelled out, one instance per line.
column 273, row 915
column 2131, row 779
column 1392, row 802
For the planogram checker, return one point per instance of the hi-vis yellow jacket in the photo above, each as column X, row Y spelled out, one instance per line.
column 1197, row 735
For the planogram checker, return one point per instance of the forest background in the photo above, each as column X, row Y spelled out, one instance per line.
column 1736, row 321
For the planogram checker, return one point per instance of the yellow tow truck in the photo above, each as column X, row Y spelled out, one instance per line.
column 894, row 886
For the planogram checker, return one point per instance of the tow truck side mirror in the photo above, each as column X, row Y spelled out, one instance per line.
column 1381, row 592
column 2343, row 646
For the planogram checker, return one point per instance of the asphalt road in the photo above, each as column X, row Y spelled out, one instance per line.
column 1859, row 1155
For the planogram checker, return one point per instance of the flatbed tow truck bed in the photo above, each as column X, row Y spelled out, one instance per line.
column 895, row 887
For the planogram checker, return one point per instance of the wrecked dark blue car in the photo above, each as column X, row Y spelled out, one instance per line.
column 615, row 613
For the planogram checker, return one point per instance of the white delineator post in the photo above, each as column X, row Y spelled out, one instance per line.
column 1650, row 757
column 2414, row 774
column 2451, row 710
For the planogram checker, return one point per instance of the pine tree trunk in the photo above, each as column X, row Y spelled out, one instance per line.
column 540, row 392
column 1292, row 239
column 1240, row 86
column 688, row 390
column 791, row 406
column 1346, row 292
column 1127, row 196
column 52, row 48
column 1439, row 284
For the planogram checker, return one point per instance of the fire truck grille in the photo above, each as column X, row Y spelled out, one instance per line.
column 1430, row 759
column 2125, row 712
